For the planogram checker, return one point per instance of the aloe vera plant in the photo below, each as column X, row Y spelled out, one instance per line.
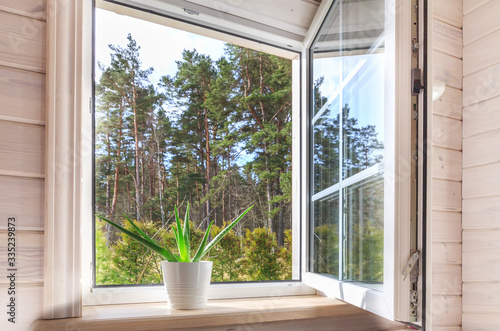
column 181, row 234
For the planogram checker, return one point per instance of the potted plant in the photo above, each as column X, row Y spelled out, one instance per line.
column 186, row 276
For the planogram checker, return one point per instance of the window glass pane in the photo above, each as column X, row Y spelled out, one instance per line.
column 326, row 148
column 364, row 230
column 181, row 118
column 347, row 123
column 326, row 236
column 363, row 114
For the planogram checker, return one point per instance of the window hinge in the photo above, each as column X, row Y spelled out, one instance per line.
column 90, row 105
column 411, row 268
column 416, row 81
column 410, row 264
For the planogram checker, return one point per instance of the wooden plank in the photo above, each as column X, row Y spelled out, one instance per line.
column 447, row 195
column 448, row 69
column 470, row 5
column 29, row 303
column 449, row 104
column 449, row 11
column 481, row 181
column 480, row 322
column 446, row 310
column 446, row 279
column 446, row 133
column 447, row 328
column 447, row 39
column 22, row 198
column 22, row 42
column 446, row 227
column 475, row 56
column 482, row 117
column 447, row 253
column 481, row 85
column 28, row 255
column 481, row 21
column 29, row 8
column 481, row 298
column 245, row 313
column 481, row 213
column 22, row 94
column 22, row 147
column 482, row 149
column 480, row 258
column 447, row 164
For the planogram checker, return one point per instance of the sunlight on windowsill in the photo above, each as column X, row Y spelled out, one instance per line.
column 292, row 312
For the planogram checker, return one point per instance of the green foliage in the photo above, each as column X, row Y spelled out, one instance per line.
column 182, row 238
column 261, row 252
column 234, row 258
column 227, row 257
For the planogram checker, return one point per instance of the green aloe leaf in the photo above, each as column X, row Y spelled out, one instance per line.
column 201, row 249
column 145, row 236
column 187, row 239
column 223, row 233
column 179, row 237
column 165, row 252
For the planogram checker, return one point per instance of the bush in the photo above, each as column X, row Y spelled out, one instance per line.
column 255, row 257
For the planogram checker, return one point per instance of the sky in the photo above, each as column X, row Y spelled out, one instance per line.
column 160, row 46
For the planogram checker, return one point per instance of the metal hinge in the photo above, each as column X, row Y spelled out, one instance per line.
column 411, row 268
column 90, row 105
column 410, row 264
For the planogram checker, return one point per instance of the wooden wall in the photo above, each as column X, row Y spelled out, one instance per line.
column 22, row 135
column 446, row 172
column 481, row 162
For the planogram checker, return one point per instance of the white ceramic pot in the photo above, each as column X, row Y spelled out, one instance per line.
column 187, row 283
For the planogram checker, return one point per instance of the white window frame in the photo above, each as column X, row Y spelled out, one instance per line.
column 156, row 293
column 67, row 274
column 394, row 301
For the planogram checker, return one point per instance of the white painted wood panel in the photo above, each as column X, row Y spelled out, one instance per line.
column 470, row 5
column 482, row 117
column 446, row 253
column 449, row 104
column 30, row 8
column 482, row 85
column 481, row 258
column 446, row 279
column 22, row 95
column 482, row 53
column 22, row 42
column 29, row 256
column 481, row 298
column 480, row 322
column 446, row 227
column 446, row 133
column 22, row 198
column 447, row 195
column 481, row 21
column 482, row 149
column 22, row 148
column 446, row 164
column 447, row 328
column 447, row 39
column 28, row 307
column 481, row 213
column 446, row 310
column 449, row 11
column 481, row 181
column 448, row 69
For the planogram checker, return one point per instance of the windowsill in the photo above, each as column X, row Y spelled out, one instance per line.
column 263, row 313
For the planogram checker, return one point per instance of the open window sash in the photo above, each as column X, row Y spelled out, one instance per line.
column 358, row 171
